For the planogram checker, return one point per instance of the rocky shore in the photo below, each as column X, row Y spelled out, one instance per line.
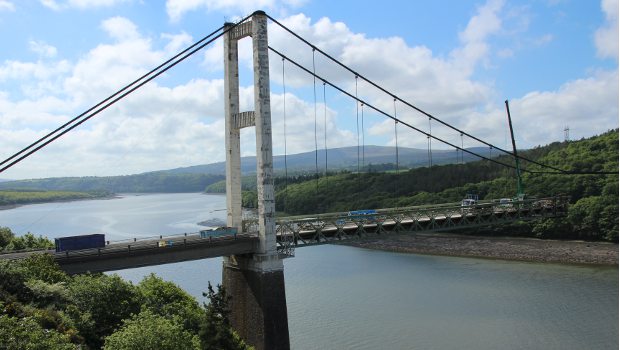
column 508, row 248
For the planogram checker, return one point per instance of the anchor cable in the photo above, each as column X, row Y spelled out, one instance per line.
column 103, row 105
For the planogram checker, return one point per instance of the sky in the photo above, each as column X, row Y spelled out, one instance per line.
column 555, row 61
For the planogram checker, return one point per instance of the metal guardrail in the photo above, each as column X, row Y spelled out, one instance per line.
column 134, row 246
column 142, row 246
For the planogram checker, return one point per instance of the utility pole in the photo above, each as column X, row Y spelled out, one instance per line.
column 520, row 193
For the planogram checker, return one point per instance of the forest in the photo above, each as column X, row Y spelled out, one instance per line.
column 154, row 182
column 593, row 213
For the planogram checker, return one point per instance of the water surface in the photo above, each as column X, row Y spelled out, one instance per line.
column 343, row 297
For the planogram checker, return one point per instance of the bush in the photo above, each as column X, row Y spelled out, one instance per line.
column 150, row 331
column 107, row 301
column 26, row 333
column 168, row 300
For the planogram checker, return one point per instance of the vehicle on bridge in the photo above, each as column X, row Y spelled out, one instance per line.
column 368, row 215
column 218, row 232
column 469, row 203
column 162, row 244
column 96, row 240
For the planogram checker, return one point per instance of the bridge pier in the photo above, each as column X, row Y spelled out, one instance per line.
column 258, row 301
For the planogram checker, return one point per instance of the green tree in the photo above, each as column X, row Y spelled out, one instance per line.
column 29, row 241
column 166, row 299
column 6, row 236
column 27, row 334
column 103, row 302
column 147, row 331
column 215, row 331
column 43, row 267
column 15, row 276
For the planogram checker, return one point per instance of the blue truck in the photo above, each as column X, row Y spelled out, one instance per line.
column 96, row 240
column 218, row 232
column 368, row 215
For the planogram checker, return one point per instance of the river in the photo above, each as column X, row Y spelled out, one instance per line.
column 341, row 297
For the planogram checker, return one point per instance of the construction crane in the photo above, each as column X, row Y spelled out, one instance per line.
column 520, row 193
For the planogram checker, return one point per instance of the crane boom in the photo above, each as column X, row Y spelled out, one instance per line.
column 520, row 193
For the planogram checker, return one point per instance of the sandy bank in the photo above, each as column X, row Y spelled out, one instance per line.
column 508, row 248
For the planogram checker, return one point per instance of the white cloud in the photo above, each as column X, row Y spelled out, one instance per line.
column 6, row 5
column 588, row 106
column 80, row 4
column 120, row 28
column 444, row 87
column 606, row 37
column 436, row 84
column 180, row 122
column 108, row 67
column 51, row 4
column 177, row 42
column 34, row 74
column 42, row 49
column 177, row 8
column 474, row 48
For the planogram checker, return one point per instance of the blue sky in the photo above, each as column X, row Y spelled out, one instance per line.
column 555, row 60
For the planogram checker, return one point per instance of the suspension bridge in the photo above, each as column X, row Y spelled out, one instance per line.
column 253, row 269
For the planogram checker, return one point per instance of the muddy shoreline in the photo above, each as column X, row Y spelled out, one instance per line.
column 505, row 248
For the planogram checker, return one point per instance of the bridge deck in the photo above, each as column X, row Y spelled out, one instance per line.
column 118, row 256
column 333, row 227
column 300, row 231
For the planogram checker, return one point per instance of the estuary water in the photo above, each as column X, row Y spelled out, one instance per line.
column 342, row 297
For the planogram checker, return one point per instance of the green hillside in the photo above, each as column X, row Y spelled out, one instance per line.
column 593, row 213
column 155, row 182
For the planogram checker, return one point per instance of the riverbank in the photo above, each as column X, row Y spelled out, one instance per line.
column 507, row 248
column 57, row 200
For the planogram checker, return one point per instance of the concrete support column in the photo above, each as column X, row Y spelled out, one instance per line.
column 255, row 282
column 232, row 134
column 264, row 157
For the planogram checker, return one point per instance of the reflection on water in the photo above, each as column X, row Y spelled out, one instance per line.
column 349, row 298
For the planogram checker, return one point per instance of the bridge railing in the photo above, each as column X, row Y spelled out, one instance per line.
column 300, row 230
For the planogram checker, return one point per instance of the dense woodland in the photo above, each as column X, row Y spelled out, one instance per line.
column 155, row 182
column 41, row 307
column 593, row 213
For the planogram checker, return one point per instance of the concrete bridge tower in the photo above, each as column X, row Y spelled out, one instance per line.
column 255, row 282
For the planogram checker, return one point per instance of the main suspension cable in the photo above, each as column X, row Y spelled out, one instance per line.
column 101, row 106
column 405, row 102
column 384, row 113
column 109, row 97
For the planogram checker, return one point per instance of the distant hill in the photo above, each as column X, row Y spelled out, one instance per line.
column 197, row 178
column 344, row 158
